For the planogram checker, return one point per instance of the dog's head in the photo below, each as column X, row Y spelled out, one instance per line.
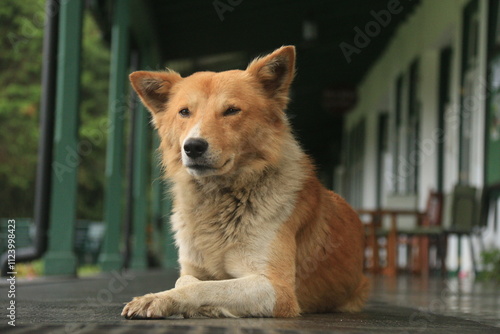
column 220, row 123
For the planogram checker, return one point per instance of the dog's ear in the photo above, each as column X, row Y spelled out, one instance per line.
column 154, row 88
column 275, row 71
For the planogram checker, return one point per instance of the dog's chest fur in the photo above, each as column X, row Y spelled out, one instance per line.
column 227, row 232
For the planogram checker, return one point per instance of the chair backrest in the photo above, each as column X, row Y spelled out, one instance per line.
column 434, row 210
column 464, row 208
column 402, row 202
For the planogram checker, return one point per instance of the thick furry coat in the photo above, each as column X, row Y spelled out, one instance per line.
column 258, row 235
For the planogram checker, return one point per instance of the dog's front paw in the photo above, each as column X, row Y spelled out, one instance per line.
column 152, row 305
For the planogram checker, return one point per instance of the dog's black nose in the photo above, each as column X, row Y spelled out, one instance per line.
column 195, row 147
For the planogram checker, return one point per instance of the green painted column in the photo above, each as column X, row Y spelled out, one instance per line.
column 111, row 258
column 60, row 258
column 170, row 259
column 141, row 180
column 161, row 211
column 156, row 198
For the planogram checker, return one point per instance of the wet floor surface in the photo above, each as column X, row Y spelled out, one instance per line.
column 464, row 298
column 397, row 305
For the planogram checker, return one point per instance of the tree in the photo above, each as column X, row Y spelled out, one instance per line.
column 93, row 111
column 21, row 34
column 21, row 39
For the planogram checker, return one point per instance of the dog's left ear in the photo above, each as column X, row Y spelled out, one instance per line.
column 275, row 71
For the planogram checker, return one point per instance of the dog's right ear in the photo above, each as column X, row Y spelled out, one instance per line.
column 153, row 88
column 275, row 71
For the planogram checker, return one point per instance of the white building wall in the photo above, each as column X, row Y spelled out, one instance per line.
column 433, row 26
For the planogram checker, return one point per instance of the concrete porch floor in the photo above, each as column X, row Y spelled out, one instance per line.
column 397, row 305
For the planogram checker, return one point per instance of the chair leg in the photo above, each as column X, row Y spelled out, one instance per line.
column 375, row 252
column 423, row 254
column 442, row 252
column 414, row 256
column 372, row 243
column 392, row 244
column 375, row 256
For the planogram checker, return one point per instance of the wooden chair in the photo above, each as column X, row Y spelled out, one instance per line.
column 429, row 231
column 465, row 218
column 373, row 231
column 428, row 226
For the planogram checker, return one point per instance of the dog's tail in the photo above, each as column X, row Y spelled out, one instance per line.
column 358, row 298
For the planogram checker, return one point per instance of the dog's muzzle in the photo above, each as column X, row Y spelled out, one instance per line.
column 195, row 147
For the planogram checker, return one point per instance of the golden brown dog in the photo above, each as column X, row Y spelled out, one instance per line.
column 258, row 235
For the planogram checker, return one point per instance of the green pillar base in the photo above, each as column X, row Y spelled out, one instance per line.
column 139, row 263
column 170, row 256
column 170, row 262
column 60, row 263
column 110, row 261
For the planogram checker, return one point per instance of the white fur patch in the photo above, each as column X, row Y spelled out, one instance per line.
column 193, row 133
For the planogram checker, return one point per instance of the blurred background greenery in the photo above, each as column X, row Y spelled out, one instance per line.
column 21, row 43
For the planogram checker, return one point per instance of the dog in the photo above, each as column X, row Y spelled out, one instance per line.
column 258, row 235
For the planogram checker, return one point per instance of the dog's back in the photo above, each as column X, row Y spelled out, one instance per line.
column 325, row 239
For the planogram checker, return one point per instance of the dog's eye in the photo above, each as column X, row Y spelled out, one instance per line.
column 185, row 112
column 231, row 111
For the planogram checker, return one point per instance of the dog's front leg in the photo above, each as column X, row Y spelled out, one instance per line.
column 241, row 297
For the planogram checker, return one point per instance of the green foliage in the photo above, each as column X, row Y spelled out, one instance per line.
column 21, row 34
column 491, row 262
column 21, row 43
column 30, row 269
column 94, row 106
column 88, row 270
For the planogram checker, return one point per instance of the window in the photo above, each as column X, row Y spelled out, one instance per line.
column 445, row 61
column 382, row 155
column 469, row 82
column 398, row 178
column 413, row 152
column 406, row 134
column 356, row 166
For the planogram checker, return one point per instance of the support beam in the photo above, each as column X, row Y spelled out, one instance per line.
column 111, row 258
column 170, row 259
column 45, row 142
column 161, row 211
column 142, row 221
column 141, row 182
column 156, row 200
column 60, row 258
column 129, row 207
